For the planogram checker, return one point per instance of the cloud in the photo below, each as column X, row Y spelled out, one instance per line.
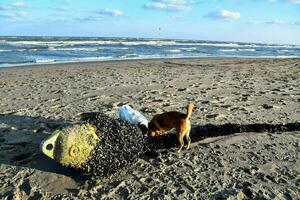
column 170, row 5
column 60, row 8
column 276, row 22
column 289, row 1
column 253, row 22
column 14, row 14
column 88, row 19
column 13, row 10
column 100, row 15
column 296, row 23
column 5, row 7
column 224, row 14
column 111, row 12
column 63, row 5
column 7, row 15
column 67, row 2
column 282, row 22
column 19, row 4
column 21, row 13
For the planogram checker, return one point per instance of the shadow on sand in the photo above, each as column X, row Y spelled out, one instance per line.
column 200, row 132
column 20, row 138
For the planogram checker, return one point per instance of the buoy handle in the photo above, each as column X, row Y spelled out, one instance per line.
column 48, row 146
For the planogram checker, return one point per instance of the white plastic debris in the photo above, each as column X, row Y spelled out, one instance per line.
column 127, row 113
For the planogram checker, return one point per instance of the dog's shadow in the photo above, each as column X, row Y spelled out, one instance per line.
column 20, row 139
column 200, row 132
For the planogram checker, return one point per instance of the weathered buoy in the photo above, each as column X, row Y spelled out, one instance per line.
column 99, row 147
column 71, row 146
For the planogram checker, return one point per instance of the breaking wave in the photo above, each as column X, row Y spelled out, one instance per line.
column 30, row 50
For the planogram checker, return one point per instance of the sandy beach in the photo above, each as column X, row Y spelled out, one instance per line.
column 260, row 164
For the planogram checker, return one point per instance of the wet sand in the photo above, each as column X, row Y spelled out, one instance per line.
column 36, row 100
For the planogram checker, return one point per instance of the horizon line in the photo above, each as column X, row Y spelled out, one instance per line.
column 159, row 38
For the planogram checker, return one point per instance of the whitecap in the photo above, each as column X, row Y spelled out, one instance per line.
column 227, row 50
column 247, row 50
column 76, row 49
column 173, row 50
column 4, row 50
column 45, row 60
column 189, row 49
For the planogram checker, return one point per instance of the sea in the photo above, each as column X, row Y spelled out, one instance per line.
column 16, row 51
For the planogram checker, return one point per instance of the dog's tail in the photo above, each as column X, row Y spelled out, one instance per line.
column 189, row 110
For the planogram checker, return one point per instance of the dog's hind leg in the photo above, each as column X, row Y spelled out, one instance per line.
column 181, row 144
column 187, row 135
column 188, row 138
column 180, row 136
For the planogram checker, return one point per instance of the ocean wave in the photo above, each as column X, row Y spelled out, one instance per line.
column 173, row 50
column 227, row 50
column 246, row 49
column 4, row 50
column 51, row 48
column 281, row 56
column 73, row 49
column 115, row 48
column 236, row 45
column 59, row 50
column 91, row 42
column 123, row 42
column 246, row 45
column 272, row 46
column 149, row 56
column 285, row 50
column 44, row 60
column 149, row 43
column 233, row 50
column 16, row 63
column 189, row 49
column 58, row 43
column 130, row 55
column 95, row 58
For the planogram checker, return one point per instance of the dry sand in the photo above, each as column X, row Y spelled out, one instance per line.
column 36, row 100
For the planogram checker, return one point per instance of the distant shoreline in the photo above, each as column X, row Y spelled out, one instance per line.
column 29, row 65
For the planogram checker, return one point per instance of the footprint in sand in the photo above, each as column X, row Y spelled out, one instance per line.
column 212, row 116
column 266, row 106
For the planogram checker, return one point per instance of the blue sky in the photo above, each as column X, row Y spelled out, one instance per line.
column 269, row 21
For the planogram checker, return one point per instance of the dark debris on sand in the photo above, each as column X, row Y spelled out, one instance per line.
column 120, row 145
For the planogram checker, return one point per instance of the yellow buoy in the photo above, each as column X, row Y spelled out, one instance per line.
column 71, row 146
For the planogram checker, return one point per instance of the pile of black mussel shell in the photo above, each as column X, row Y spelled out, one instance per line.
column 120, row 145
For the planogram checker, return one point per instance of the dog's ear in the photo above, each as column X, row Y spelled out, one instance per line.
column 143, row 128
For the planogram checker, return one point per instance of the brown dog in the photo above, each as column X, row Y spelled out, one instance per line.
column 161, row 123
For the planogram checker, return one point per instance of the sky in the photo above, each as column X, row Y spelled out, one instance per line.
column 263, row 21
